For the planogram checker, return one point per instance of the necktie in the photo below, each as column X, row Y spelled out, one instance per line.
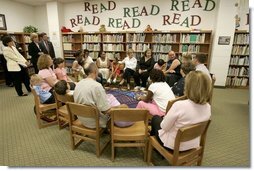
column 47, row 46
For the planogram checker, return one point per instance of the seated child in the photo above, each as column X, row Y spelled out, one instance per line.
column 46, row 97
column 61, row 72
column 115, row 71
column 160, row 65
column 77, row 68
column 62, row 88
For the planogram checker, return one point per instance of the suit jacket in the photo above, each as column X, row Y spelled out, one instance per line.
column 51, row 51
column 13, row 59
column 33, row 51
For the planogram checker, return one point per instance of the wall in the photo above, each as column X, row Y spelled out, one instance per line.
column 118, row 20
column 17, row 15
column 41, row 19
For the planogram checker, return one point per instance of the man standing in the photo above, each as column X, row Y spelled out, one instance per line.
column 199, row 61
column 47, row 46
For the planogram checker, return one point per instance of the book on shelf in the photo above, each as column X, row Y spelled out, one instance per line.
column 67, row 46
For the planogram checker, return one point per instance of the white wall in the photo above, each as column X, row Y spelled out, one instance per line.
column 41, row 19
column 17, row 15
column 71, row 10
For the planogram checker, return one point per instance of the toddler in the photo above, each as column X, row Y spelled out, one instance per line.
column 115, row 71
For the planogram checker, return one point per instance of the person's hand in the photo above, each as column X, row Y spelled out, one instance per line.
column 139, row 71
column 40, row 53
column 172, row 71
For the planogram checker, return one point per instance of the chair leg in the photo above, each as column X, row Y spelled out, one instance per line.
column 98, row 147
column 38, row 117
column 72, row 141
column 145, row 151
column 149, row 153
column 112, row 151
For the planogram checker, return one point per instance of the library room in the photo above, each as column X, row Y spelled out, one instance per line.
column 113, row 83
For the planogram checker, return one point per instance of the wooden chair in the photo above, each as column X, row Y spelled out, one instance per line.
column 42, row 110
column 213, row 82
column 62, row 113
column 81, row 132
column 132, row 136
column 171, row 102
column 185, row 158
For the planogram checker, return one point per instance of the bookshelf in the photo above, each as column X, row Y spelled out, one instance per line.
column 238, row 71
column 115, row 44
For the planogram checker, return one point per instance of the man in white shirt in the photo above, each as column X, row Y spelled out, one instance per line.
column 199, row 61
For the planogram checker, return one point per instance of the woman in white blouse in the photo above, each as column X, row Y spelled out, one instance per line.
column 16, row 65
column 130, row 67
column 194, row 110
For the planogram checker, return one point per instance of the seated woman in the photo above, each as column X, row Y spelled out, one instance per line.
column 49, row 77
column 173, row 69
column 194, row 110
column 144, row 67
column 178, row 87
column 130, row 63
column 103, row 65
column 159, row 93
column 61, row 72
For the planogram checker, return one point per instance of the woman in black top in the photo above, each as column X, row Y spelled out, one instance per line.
column 172, row 72
column 145, row 65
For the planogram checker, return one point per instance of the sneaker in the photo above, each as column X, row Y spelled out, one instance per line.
column 121, row 83
column 109, row 81
column 142, row 88
column 114, row 81
column 137, row 88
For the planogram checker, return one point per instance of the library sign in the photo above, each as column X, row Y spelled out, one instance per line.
column 172, row 15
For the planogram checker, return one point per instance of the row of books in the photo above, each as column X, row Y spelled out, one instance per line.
column 236, row 81
column 138, row 37
column 164, row 38
column 113, row 38
column 158, row 56
column 91, row 47
column 241, row 39
column 94, row 55
column 140, row 47
column 161, row 48
column 112, row 56
column 240, row 50
column 190, row 48
column 193, row 38
column 239, row 60
column 236, row 71
column 92, row 38
column 113, row 47
column 68, row 38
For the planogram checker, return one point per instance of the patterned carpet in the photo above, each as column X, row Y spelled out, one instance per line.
column 23, row 144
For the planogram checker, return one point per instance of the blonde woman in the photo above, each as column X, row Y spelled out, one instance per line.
column 130, row 67
column 34, row 50
column 185, row 112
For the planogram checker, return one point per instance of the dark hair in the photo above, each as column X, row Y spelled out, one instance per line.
column 61, row 87
column 90, row 69
column 201, row 57
column 100, row 53
column 161, row 62
column 157, row 76
column 43, row 34
column 77, row 53
column 85, row 51
column 58, row 61
column 6, row 40
column 80, row 60
column 187, row 67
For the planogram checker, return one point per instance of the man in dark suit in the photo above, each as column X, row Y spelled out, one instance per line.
column 47, row 46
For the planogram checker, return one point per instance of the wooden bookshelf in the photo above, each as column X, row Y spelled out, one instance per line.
column 238, row 71
column 115, row 44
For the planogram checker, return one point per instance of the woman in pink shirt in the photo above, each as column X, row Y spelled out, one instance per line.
column 185, row 112
column 49, row 77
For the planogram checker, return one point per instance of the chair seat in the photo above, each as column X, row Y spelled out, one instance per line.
column 44, row 107
column 77, row 127
column 136, row 130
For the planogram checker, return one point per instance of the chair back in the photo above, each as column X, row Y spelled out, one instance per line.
column 62, row 99
column 129, row 114
column 171, row 102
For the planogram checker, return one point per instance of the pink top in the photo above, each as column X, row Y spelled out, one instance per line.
column 61, row 73
column 45, row 73
column 183, row 113
column 157, row 66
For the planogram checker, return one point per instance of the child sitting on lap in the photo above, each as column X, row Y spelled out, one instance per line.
column 46, row 97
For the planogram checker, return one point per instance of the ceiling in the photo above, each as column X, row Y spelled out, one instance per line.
column 43, row 2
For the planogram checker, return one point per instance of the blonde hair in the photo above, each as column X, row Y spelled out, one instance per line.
column 33, row 36
column 35, row 79
column 130, row 50
column 43, row 62
column 198, row 87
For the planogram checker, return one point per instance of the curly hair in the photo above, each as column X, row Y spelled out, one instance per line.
column 157, row 76
column 44, row 62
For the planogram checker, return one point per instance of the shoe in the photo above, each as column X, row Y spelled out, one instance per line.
column 114, row 81
column 137, row 88
column 109, row 81
column 24, row 94
column 121, row 83
column 142, row 88
column 128, row 87
column 10, row 85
